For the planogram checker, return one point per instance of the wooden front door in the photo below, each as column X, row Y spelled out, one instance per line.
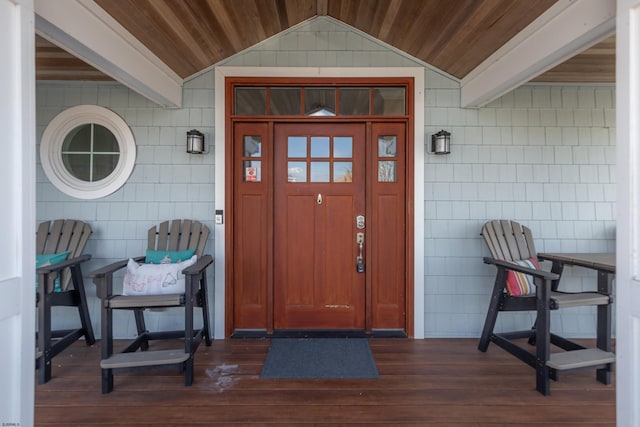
column 298, row 182
column 319, row 189
column 297, row 192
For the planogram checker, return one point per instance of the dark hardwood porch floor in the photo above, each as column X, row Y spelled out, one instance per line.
column 432, row 382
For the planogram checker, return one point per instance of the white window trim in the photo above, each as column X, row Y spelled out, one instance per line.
column 51, row 151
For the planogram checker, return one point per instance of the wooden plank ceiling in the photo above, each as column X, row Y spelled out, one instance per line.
column 454, row 36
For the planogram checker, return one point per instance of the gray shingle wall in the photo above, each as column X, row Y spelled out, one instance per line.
column 542, row 155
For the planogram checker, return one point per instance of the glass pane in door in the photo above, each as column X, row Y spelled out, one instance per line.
column 320, row 146
column 387, row 146
column 343, row 147
column 297, row 171
column 319, row 171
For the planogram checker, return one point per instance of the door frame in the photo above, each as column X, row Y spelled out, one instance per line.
column 17, row 265
column 415, row 322
column 627, row 214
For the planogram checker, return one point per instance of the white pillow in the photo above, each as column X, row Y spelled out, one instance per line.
column 155, row 279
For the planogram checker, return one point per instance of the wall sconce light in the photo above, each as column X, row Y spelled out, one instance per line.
column 440, row 142
column 195, row 142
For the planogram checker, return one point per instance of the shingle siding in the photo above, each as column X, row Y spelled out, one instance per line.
column 543, row 155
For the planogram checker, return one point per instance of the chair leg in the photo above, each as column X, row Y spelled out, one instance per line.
column 603, row 340
column 188, row 334
column 204, row 303
column 83, row 309
column 556, row 267
column 492, row 313
column 543, row 336
column 532, row 338
column 44, row 332
column 138, row 314
column 188, row 371
column 107, row 381
column 107, row 346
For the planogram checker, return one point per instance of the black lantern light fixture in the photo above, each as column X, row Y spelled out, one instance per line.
column 195, row 142
column 440, row 142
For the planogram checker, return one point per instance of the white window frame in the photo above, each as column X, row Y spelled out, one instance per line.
column 51, row 151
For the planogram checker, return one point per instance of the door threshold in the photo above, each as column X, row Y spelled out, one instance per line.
column 319, row 333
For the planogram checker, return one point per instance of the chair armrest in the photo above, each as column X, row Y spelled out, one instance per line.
column 103, row 277
column 55, row 270
column 201, row 264
column 47, row 269
column 542, row 274
column 195, row 276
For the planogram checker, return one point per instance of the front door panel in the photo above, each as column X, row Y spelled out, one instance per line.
column 319, row 186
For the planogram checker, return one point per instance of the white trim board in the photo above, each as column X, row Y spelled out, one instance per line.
column 417, row 73
column 564, row 30
column 18, row 193
column 627, row 214
column 85, row 30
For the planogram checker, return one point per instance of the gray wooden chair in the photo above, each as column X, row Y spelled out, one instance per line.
column 176, row 235
column 512, row 251
column 60, row 284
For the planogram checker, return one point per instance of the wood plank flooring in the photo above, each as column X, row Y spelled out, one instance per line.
column 432, row 382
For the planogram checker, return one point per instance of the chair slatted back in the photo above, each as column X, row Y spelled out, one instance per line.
column 508, row 240
column 179, row 235
column 63, row 235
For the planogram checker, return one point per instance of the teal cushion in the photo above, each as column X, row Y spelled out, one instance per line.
column 49, row 259
column 168, row 257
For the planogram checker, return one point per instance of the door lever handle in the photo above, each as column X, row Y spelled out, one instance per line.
column 359, row 258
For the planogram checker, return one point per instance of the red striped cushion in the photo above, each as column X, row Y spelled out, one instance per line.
column 520, row 284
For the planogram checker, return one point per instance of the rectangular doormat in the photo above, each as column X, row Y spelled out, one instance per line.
column 319, row 358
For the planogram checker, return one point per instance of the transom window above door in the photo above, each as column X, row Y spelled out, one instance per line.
column 320, row 101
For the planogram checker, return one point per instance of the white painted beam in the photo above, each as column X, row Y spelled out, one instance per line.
column 85, row 30
column 564, row 30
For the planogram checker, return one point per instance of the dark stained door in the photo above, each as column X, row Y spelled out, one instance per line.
column 319, row 190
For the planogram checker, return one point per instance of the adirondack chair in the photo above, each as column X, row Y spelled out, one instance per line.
column 180, row 237
column 513, row 253
column 59, row 248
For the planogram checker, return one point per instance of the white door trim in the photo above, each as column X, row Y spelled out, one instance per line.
column 17, row 246
column 628, row 213
column 417, row 73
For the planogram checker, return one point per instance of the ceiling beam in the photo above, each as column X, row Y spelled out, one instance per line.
column 321, row 7
column 86, row 31
column 564, row 30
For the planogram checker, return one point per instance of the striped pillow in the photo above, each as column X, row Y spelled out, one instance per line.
column 520, row 284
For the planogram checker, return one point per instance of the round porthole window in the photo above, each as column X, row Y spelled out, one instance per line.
column 88, row 151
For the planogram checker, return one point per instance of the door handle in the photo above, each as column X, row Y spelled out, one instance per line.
column 359, row 258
